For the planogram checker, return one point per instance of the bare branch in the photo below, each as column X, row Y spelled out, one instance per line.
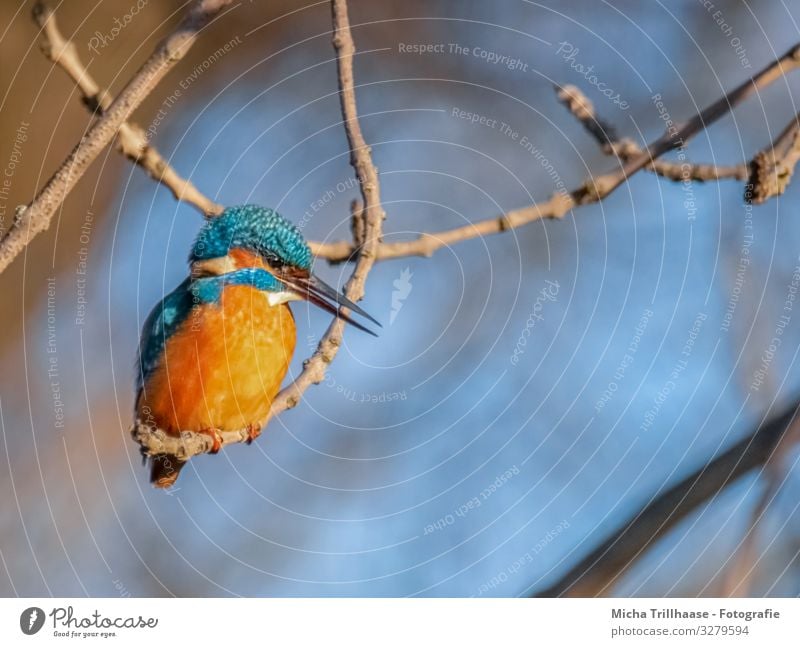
column 601, row 569
column 154, row 441
column 627, row 149
column 773, row 167
column 426, row 244
column 131, row 139
column 770, row 170
column 36, row 216
column 189, row 444
column 593, row 190
column 372, row 214
column 367, row 221
column 357, row 222
column 583, row 110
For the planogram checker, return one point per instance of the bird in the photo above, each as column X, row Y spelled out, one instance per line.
column 214, row 352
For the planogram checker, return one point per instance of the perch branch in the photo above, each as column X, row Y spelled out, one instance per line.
column 593, row 190
column 601, row 569
column 131, row 139
column 371, row 216
column 189, row 444
column 36, row 216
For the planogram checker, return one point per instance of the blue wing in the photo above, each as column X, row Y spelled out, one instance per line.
column 160, row 324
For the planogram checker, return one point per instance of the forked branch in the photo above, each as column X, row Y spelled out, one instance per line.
column 36, row 217
column 131, row 138
column 626, row 149
column 769, row 172
column 771, row 175
column 594, row 189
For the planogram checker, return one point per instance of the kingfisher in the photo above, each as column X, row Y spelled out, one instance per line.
column 214, row 352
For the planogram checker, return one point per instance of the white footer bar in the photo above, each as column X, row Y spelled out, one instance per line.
column 401, row 622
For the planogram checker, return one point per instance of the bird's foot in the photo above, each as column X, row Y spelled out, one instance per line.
column 253, row 432
column 215, row 437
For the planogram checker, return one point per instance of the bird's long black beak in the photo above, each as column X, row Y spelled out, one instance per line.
column 314, row 290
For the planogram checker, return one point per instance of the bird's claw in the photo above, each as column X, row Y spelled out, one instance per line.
column 216, row 440
column 253, row 432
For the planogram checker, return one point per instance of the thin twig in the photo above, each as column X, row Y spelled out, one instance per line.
column 372, row 214
column 597, row 573
column 190, row 443
column 35, row 217
column 593, row 190
column 131, row 139
column 626, row 149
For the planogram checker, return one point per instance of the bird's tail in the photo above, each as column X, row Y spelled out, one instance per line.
column 164, row 470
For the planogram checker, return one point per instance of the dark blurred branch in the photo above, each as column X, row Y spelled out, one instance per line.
column 738, row 578
column 626, row 149
column 593, row 190
column 154, row 441
column 35, row 217
column 599, row 571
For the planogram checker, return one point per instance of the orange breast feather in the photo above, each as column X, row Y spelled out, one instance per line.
column 223, row 367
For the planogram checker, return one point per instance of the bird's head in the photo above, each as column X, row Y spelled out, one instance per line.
column 250, row 236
